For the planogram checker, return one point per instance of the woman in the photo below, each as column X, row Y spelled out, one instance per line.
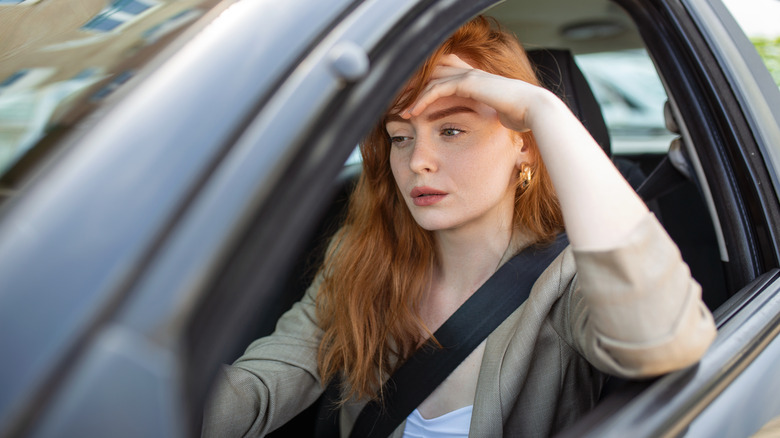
column 473, row 163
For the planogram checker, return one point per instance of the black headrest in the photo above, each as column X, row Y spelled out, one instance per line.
column 559, row 73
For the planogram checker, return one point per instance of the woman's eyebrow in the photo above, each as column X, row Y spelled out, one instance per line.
column 440, row 114
column 395, row 117
column 448, row 112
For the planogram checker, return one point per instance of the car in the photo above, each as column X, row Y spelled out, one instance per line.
column 170, row 172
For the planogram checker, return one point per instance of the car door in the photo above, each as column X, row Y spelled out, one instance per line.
column 135, row 262
column 726, row 145
column 190, row 259
column 80, row 229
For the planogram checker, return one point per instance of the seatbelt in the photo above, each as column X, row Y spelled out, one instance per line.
column 672, row 171
column 479, row 316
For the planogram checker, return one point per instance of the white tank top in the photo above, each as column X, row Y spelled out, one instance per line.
column 452, row 424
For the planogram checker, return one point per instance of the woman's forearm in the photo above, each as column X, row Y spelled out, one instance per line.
column 599, row 207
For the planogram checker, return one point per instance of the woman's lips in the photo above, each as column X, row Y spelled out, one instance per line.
column 424, row 196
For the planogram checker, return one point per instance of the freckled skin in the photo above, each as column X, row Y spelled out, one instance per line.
column 474, row 159
column 458, row 140
column 469, row 155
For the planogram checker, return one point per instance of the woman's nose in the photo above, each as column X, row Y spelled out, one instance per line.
column 423, row 158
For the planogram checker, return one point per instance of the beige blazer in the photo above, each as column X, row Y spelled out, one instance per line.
column 632, row 311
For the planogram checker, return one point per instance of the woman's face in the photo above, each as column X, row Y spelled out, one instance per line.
column 456, row 165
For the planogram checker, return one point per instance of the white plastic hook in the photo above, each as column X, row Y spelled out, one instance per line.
column 349, row 61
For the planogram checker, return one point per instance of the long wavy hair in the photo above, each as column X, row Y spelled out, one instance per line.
column 379, row 265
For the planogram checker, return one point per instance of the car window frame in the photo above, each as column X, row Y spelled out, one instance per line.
column 748, row 265
column 681, row 45
column 186, row 326
column 241, row 272
column 59, row 193
column 719, row 134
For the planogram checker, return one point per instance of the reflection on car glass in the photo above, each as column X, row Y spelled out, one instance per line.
column 154, row 33
column 52, row 75
column 120, row 79
column 119, row 12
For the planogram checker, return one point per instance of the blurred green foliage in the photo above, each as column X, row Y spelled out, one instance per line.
column 770, row 51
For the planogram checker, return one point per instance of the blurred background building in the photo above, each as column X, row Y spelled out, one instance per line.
column 55, row 54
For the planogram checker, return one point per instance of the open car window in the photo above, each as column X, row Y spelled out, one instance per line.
column 169, row 256
column 633, row 100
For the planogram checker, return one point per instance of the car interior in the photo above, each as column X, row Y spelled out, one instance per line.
column 554, row 34
column 558, row 35
column 652, row 151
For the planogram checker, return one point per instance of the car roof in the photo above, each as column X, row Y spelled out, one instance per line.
column 584, row 26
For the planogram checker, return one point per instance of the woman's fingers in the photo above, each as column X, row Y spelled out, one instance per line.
column 436, row 89
column 467, row 83
column 454, row 61
column 442, row 71
column 455, row 77
column 452, row 81
column 449, row 68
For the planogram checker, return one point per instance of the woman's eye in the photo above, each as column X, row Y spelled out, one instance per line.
column 450, row 132
column 399, row 139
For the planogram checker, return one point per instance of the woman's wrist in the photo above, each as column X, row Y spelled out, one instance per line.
column 545, row 108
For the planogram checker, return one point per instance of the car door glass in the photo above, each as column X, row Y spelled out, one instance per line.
column 51, row 77
column 759, row 21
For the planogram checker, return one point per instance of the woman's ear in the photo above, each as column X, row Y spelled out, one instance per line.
column 525, row 156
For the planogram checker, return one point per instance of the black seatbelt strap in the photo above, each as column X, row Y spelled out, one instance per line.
column 479, row 316
column 673, row 170
column 664, row 178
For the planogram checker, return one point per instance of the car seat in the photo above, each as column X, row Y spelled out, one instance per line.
column 559, row 73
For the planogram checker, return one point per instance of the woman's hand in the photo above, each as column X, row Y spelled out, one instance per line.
column 515, row 101
column 599, row 207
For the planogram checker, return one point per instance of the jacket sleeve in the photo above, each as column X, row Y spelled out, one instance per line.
column 273, row 381
column 636, row 311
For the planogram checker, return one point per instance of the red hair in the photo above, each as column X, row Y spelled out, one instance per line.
column 379, row 264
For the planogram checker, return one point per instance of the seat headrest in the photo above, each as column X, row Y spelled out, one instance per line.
column 559, row 73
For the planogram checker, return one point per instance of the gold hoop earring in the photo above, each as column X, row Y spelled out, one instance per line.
column 525, row 176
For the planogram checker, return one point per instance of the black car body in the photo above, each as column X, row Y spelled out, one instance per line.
column 150, row 234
